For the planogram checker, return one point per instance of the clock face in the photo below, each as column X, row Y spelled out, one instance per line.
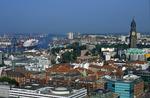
column 133, row 33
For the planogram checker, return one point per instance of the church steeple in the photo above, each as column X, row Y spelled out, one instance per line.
column 133, row 25
column 133, row 34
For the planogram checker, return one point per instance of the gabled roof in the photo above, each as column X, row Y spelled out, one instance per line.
column 11, row 73
column 60, row 68
column 137, row 62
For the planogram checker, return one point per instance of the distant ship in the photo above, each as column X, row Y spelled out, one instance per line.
column 30, row 43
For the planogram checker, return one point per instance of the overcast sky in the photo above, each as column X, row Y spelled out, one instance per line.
column 61, row 16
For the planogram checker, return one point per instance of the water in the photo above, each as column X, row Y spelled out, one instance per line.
column 43, row 44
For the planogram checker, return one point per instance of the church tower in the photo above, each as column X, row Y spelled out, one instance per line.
column 133, row 34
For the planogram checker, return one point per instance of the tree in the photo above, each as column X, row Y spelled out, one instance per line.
column 87, row 53
column 68, row 57
column 83, row 47
column 1, row 65
column 53, row 61
column 148, row 59
column 55, row 50
column 94, row 52
column 9, row 80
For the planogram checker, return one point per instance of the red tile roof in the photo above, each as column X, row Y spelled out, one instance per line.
column 137, row 62
column 94, row 66
column 61, row 68
column 87, row 70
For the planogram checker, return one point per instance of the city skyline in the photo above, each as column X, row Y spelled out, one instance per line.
column 100, row 16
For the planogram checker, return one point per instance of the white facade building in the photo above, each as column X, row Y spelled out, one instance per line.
column 123, row 38
column 4, row 91
column 24, row 93
column 107, row 56
column 138, row 35
column 40, row 65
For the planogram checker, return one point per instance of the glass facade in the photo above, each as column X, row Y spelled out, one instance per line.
column 124, row 89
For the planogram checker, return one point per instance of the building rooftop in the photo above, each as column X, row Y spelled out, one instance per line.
column 135, row 51
column 48, row 90
column 14, row 73
column 127, row 78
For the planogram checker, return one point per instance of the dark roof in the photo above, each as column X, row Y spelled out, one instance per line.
column 12, row 73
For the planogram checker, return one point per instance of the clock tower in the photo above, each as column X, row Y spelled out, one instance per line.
column 133, row 34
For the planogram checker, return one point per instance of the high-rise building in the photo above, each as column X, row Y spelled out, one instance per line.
column 133, row 35
column 70, row 35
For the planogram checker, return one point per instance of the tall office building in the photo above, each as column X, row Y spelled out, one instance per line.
column 133, row 35
column 70, row 35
